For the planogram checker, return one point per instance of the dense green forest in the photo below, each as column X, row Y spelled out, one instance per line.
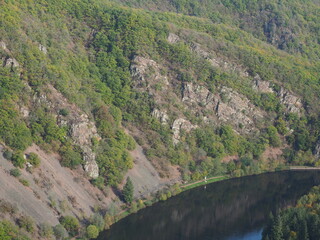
column 298, row 222
column 86, row 49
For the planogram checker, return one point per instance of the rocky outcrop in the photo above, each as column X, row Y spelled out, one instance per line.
column 11, row 63
column 261, row 86
column 292, row 103
column 7, row 60
column 316, row 150
column 179, row 125
column 146, row 71
column 196, row 94
column 216, row 61
column 236, row 109
column 81, row 129
column 162, row 116
column 227, row 105
column 173, row 38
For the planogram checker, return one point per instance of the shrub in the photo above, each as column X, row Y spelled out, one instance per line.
column 70, row 157
column 26, row 223
column 7, row 154
column 18, row 160
column 64, row 112
column 24, row 182
column 98, row 221
column 60, row 232
column 15, row 172
column 34, row 159
column 71, row 224
column 45, row 230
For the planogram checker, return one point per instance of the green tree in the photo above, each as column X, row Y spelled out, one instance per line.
column 276, row 229
column 92, row 231
column 128, row 191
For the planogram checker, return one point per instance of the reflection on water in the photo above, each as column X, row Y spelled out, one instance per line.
column 254, row 235
column 230, row 210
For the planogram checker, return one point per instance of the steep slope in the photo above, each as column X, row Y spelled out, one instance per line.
column 113, row 92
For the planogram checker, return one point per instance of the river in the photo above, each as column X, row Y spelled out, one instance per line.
column 233, row 209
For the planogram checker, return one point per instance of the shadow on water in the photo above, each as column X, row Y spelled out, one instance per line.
column 234, row 209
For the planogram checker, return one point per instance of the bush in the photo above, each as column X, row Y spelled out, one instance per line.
column 18, row 160
column 26, row 223
column 45, row 230
column 15, row 172
column 70, row 157
column 60, row 232
column 71, row 224
column 24, row 182
column 7, row 154
column 92, row 231
column 34, row 159
column 64, row 112
column 98, row 221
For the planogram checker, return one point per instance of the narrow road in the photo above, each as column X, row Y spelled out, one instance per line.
column 303, row 168
column 183, row 186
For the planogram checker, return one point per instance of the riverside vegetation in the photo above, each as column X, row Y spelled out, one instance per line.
column 226, row 87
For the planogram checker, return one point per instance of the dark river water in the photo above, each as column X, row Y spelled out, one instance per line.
column 229, row 210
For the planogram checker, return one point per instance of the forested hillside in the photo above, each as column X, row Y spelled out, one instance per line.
column 203, row 88
column 297, row 222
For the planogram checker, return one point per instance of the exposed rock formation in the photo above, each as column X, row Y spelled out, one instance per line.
column 316, row 150
column 81, row 129
column 141, row 69
column 291, row 102
column 162, row 116
column 173, row 38
column 217, row 61
column 228, row 105
column 236, row 109
column 261, row 86
column 11, row 63
column 179, row 125
column 198, row 94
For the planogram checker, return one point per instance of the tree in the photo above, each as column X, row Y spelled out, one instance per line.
column 276, row 229
column 128, row 191
column 92, row 231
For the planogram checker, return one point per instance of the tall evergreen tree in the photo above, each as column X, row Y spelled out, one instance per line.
column 276, row 230
column 128, row 191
